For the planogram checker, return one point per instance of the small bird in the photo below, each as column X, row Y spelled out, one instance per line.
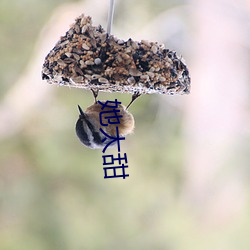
column 91, row 132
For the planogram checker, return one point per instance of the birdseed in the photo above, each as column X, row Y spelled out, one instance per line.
column 87, row 57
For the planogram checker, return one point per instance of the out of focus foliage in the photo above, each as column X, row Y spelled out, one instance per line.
column 20, row 24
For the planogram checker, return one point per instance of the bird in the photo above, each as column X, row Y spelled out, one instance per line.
column 96, row 134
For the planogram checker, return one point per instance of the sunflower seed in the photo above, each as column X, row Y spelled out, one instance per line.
column 144, row 78
column 88, row 62
column 69, row 60
column 77, row 29
column 61, row 62
column 135, row 45
column 84, row 29
column 150, row 74
column 77, row 79
column 120, row 42
column 68, row 54
column 131, row 80
column 103, row 80
column 95, row 76
column 154, row 49
column 145, row 42
column 78, row 70
column 134, row 72
column 77, row 57
column 85, row 46
column 64, row 43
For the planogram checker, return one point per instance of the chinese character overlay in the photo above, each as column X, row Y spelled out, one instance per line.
column 118, row 139
column 104, row 105
column 114, row 172
column 111, row 117
column 116, row 116
column 105, row 157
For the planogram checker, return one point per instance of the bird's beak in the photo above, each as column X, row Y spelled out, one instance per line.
column 82, row 115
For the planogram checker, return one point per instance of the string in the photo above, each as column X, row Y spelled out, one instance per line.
column 110, row 16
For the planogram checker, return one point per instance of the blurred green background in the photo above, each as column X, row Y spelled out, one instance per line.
column 188, row 184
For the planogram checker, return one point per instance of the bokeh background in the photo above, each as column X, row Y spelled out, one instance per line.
column 189, row 158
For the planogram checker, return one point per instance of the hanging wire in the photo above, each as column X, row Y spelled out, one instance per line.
column 110, row 16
